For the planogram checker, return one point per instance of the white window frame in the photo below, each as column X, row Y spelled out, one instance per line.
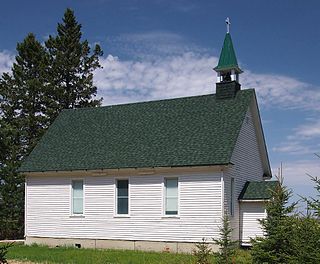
column 115, row 209
column 164, row 215
column 83, row 199
column 232, row 194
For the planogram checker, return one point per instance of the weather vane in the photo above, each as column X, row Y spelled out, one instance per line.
column 228, row 24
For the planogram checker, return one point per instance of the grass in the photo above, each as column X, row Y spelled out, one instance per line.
column 43, row 254
column 36, row 253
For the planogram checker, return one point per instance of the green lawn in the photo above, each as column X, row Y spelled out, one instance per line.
column 86, row 256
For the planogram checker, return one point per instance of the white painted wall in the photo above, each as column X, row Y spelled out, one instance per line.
column 247, row 167
column 249, row 214
column 49, row 207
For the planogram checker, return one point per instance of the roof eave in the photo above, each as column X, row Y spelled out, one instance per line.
column 228, row 68
column 220, row 166
column 254, row 200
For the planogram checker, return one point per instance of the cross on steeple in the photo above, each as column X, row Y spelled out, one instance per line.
column 228, row 69
column 228, row 24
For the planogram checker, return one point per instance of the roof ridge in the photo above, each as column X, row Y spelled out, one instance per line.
column 141, row 102
column 150, row 101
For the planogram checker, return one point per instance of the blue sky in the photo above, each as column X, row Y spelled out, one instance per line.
column 164, row 49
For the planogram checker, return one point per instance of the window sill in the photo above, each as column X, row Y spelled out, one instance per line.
column 170, row 217
column 77, row 216
column 121, row 216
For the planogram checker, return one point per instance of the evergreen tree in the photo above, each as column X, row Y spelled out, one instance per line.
column 202, row 252
column 23, row 120
column 29, row 75
column 314, row 203
column 72, row 66
column 43, row 81
column 277, row 245
column 226, row 244
column 305, row 240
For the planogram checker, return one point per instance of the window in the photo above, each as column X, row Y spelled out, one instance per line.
column 232, row 196
column 122, row 197
column 77, row 197
column 171, row 196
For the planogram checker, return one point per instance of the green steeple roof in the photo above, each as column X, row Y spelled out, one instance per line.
column 228, row 59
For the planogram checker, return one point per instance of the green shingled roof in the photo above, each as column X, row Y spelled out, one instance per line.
column 191, row 131
column 228, row 59
column 261, row 190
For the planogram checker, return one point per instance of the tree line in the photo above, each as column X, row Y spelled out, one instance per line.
column 44, row 79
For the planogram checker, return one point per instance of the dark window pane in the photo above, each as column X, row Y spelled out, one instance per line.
column 122, row 205
column 122, row 186
column 122, row 197
column 171, row 212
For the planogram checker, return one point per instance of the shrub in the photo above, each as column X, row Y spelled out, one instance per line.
column 3, row 252
column 202, row 252
column 226, row 244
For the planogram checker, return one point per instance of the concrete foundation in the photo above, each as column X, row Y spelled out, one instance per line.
column 157, row 246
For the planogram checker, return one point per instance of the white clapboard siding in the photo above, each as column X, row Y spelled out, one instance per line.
column 249, row 214
column 247, row 167
column 48, row 208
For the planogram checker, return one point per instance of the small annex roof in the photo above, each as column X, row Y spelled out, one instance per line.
column 228, row 59
column 191, row 131
column 257, row 190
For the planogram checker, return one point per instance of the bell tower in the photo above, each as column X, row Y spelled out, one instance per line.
column 227, row 69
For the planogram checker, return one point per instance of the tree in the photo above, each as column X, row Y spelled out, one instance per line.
column 314, row 203
column 202, row 252
column 72, row 66
column 226, row 244
column 305, row 239
column 277, row 245
column 23, row 121
column 43, row 81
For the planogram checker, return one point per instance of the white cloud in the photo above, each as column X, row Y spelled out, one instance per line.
column 295, row 173
column 303, row 139
column 152, row 45
column 295, row 147
column 6, row 61
column 282, row 91
column 297, row 179
column 309, row 130
column 171, row 76
column 163, row 64
column 190, row 73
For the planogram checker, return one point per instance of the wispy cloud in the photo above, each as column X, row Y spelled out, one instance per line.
column 190, row 73
column 296, row 173
column 152, row 45
column 303, row 139
column 171, row 76
column 295, row 148
column 160, row 64
column 309, row 130
column 283, row 92
column 6, row 60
